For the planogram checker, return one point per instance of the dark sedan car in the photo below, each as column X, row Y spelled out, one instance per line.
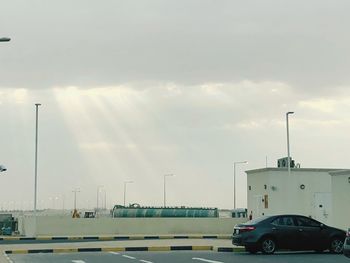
column 347, row 244
column 293, row 232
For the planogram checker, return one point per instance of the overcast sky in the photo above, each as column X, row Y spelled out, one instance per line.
column 133, row 90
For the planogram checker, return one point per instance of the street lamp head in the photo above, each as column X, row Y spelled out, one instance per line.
column 128, row 182
column 5, row 39
column 37, row 104
column 241, row 162
column 3, row 168
column 290, row 112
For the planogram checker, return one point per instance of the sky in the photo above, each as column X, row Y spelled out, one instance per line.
column 134, row 90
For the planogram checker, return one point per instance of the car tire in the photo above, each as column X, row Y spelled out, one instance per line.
column 268, row 245
column 251, row 250
column 336, row 245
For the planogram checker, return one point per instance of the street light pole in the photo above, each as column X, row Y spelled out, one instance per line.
column 287, row 120
column 98, row 196
column 234, row 181
column 166, row 175
column 36, row 158
column 75, row 191
column 125, row 183
column 105, row 199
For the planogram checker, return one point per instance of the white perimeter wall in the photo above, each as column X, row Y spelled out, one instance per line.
column 65, row 226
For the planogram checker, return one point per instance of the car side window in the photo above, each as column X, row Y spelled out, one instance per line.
column 307, row 222
column 283, row 221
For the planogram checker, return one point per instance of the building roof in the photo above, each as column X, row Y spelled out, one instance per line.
column 340, row 172
column 332, row 171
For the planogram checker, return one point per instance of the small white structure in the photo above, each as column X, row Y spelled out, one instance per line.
column 305, row 191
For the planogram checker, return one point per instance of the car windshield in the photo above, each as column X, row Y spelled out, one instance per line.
column 256, row 220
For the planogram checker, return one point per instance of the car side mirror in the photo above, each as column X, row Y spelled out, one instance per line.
column 321, row 226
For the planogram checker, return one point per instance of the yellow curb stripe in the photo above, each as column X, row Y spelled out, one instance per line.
column 20, row 251
column 44, row 238
column 105, row 238
column 113, row 249
column 202, row 248
column 11, row 238
column 65, row 250
column 159, row 248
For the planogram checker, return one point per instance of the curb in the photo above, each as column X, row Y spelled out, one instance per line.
column 113, row 238
column 108, row 249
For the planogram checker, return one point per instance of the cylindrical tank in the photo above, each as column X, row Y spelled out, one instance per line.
column 137, row 211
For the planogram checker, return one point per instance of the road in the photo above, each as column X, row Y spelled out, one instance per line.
column 177, row 257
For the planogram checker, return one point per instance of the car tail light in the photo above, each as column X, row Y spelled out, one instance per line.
column 246, row 229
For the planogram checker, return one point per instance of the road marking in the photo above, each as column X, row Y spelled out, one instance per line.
column 114, row 253
column 78, row 261
column 145, row 261
column 126, row 256
column 207, row 260
column 8, row 259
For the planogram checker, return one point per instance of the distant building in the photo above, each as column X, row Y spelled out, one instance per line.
column 323, row 194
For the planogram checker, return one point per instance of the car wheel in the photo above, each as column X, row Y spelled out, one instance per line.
column 336, row 245
column 251, row 250
column 268, row 245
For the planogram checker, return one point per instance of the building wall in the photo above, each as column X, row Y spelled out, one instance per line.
column 341, row 200
column 65, row 226
column 285, row 195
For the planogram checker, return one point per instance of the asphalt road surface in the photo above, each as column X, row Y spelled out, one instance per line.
column 178, row 257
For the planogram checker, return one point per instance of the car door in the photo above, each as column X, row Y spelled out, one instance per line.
column 311, row 234
column 285, row 231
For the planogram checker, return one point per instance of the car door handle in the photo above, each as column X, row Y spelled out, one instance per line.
column 274, row 228
column 301, row 230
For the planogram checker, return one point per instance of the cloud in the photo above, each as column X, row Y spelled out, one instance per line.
column 186, row 43
column 133, row 89
column 14, row 96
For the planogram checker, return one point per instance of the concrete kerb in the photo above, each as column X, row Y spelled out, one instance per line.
column 125, row 249
column 111, row 238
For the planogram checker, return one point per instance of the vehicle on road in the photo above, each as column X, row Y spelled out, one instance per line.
column 291, row 232
column 347, row 244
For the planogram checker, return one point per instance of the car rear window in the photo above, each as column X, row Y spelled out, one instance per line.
column 257, row 220
column 283, row 221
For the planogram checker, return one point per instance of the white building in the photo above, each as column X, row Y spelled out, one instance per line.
column 318, row 193
column 341, row 198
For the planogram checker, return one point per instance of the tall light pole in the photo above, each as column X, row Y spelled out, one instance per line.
column 287, row 120
column 105, row 192
column 234, row 181
column 125, row 183
column 98, row 195
column 75, row 191
column 165, row 176
column 36, row 159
